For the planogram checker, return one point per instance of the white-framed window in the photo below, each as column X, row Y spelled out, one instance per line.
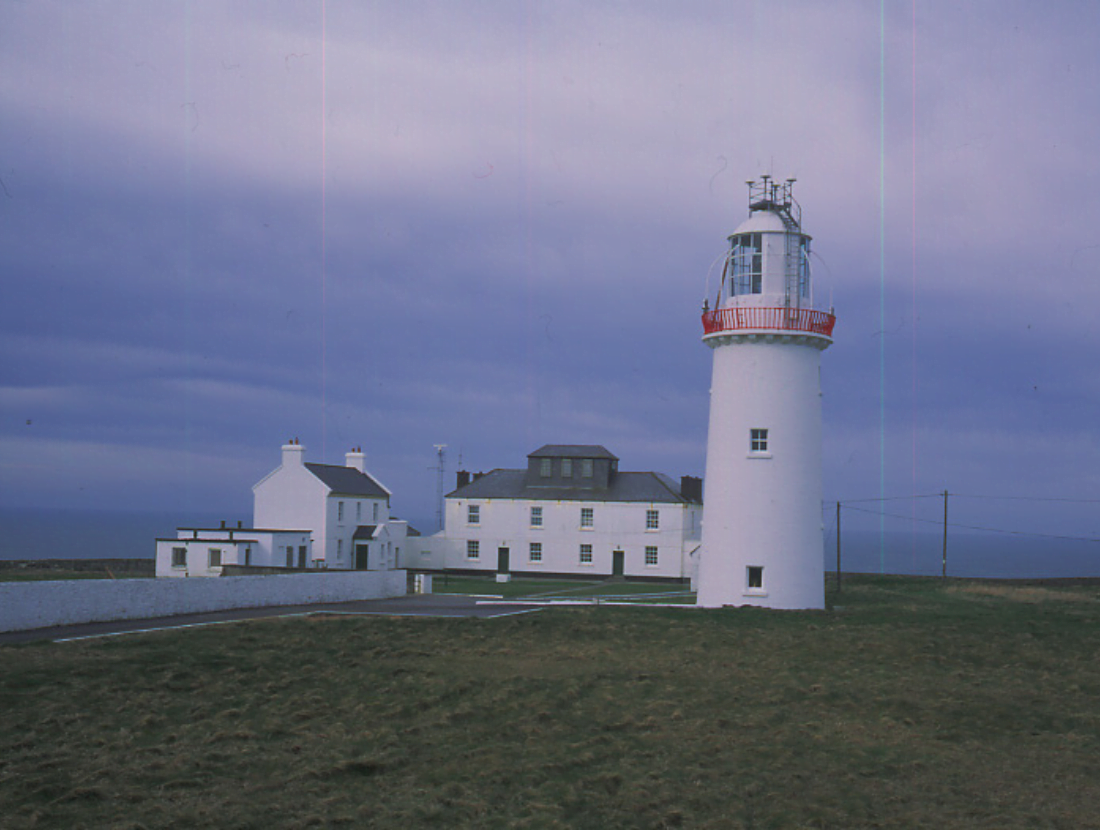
column 536, row 516
column 653, row 520
column 651, row 555
column 473, row 514
column 545, row 467
column 214, row 557
column 588, row 517
column 758, row 440
column 586, row 555
column 746, row 264
column 473, row 549
column 754, row 577
column 586, row 468
column 359, row 511
column 179, row 557
column 534, row 552
column 339, row 511
column 567, row 468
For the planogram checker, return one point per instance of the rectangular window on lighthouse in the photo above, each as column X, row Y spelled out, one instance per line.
column 758, row 440
column 755, row 577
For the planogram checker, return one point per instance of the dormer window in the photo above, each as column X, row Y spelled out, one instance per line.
column 567, row 468
column 586, row 468
column 546, row 467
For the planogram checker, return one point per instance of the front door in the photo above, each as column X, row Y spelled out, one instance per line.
column 617, row 560
column 502, row 560
column 361, row 557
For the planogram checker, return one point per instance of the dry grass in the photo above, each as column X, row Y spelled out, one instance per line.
column 913, row 706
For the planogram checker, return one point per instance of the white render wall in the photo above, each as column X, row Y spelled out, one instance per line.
column 616, row 526
column 30, row 605
column 764, row 509
column 268, row 548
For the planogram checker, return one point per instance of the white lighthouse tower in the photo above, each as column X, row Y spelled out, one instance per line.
column 762, row 535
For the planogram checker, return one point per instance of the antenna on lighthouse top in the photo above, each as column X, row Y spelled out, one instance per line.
column 440, row 450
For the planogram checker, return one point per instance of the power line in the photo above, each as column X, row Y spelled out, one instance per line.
column 894, row 498
column 974, row 527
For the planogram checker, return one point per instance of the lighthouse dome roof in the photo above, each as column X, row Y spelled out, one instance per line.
column 762, row 221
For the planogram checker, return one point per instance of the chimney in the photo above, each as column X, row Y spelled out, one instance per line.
column 691, row 488
column 292, row 453
column 356, row 459
column 463, row 478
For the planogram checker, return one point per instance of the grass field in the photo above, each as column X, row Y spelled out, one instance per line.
column 914, row 704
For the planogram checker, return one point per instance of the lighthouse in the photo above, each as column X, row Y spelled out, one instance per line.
column 762, row 536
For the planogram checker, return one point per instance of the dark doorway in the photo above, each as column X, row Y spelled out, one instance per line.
column 301, row 556
column 502, row 560
column 618, row 559
column 362, row 557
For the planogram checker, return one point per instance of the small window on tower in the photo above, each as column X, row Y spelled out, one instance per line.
column 755, row 577
column 758, row 440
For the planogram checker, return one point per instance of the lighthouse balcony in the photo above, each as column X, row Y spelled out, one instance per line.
column 751, row 319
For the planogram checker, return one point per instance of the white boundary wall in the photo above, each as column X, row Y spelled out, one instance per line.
column 29, row 605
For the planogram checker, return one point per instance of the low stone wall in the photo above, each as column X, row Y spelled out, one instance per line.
column 29, row 605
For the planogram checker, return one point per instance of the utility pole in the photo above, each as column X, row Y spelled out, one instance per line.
column 838, row 547
column 945, row 535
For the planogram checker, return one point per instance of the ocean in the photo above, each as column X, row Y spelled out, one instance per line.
column 40, row 533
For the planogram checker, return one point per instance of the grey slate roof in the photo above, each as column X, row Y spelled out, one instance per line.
column 625, row 487
column 365, row 532
column 347, row 481
column 573, row 451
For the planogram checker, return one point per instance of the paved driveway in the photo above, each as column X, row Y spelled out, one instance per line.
column 416, row 605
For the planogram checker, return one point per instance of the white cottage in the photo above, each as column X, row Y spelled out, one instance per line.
column 570, row 512
column 199, row 551
column 346, row 509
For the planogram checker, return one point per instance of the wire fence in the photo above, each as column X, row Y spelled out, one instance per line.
column 944, row 535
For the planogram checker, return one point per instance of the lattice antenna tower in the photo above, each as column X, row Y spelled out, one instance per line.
column 441, row 455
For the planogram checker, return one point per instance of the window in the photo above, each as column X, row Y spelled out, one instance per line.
column 586, row 468
column 804, row 267
column 214, row 557
column 745, row 264
column 754, row 577
column 587, row 517
column 339, row 511
column 536, row 517
column 473, row 514
column 375, row 519
column 290, row 556
column 358, row 511
column 473, row 549
column 652, row 520
column 544, row 468
column 248, row 555
column 339, row 549
column 586, row 554
column 567, row 468
column 758, row 440
column 534, row 552
column 179, row 557
column 651, row 555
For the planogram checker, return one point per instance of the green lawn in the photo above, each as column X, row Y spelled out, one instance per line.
column 545, row 589
column 915, row 704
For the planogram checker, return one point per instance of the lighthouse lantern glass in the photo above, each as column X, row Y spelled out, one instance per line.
column 746, row 264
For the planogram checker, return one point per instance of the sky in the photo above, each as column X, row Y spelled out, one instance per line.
column 490, row 225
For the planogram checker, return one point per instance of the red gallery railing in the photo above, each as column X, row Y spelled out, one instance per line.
column 756, row 318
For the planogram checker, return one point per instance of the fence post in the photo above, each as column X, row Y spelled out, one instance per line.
column 945, row 535
column 838, row 547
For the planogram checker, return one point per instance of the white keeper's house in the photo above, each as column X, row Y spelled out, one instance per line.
column 346, row 508
column 340, row 515
column 571, row 512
